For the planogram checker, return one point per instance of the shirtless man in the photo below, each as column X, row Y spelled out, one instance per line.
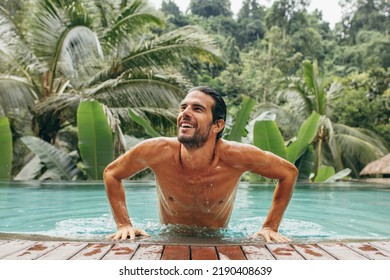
column 198, row 172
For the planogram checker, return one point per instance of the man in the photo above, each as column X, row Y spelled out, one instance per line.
column 197, row 173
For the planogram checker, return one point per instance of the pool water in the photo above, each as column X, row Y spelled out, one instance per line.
column 80, row 211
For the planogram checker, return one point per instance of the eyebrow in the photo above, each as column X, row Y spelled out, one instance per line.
column 194, row 104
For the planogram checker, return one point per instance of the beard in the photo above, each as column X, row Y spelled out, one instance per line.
column 197, row 140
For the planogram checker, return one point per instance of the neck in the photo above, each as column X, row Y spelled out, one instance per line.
column 198, row 158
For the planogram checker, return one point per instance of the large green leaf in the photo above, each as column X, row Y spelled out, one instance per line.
column 95, row 138
column 54, row 159
column 144, row 122
column 305, row 136
column 30, row 171
column 324, row 173
column 339, row 175
column 267, row 136
column 5, row 149
column 241, row 120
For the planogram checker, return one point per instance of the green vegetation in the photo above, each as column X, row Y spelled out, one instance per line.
column 82, row 81
column 5, row 149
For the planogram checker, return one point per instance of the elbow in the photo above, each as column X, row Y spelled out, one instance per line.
column 292, row 174
column 108, row 173
column 295, row 171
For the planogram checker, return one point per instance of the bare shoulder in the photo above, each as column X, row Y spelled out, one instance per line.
column 245, row 156
column 236, row 149
column 241, row 154
column 154, row 149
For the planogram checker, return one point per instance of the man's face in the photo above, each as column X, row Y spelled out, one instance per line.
column 195, row 120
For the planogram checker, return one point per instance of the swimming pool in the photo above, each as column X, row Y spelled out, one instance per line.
column 80, row 211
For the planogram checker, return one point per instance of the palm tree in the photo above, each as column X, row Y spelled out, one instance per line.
column 98, row 50
column 336, row 145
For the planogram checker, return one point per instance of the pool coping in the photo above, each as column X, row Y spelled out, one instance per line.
column 27, row 249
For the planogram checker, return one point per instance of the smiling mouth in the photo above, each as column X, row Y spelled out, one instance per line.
column 186, row 125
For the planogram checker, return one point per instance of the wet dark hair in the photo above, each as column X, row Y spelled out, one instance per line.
column 219, row 107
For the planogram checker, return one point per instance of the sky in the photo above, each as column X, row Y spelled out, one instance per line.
column 331, row 11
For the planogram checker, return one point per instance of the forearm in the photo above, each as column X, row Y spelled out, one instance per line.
column 281, row 199
column 117, row 199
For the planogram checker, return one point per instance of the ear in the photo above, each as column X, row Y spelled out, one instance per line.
column 218, row 126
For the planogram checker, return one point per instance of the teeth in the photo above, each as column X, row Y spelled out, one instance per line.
column 186, row 125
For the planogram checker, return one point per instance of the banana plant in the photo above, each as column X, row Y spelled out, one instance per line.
column 306, row 134
column 238, row 130
column 58, row 163
column 267, row 136
column 5, row 149
column 95, row 138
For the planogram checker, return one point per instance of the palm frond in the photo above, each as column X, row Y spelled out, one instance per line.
column 140, row 93
column 15, row 92
column 16, row 58
column 295, row 100
column 361, row 151
column 80, row 54
column 58, row 30
column 365, row 135
column 140, row 90
column 58, row 103
column 333, row 93
column 170, row 48
column 162, row 120
column 132, row 20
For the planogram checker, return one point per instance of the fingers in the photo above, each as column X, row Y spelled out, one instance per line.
column 124, row 233
column 143, row 233
column 270, row 236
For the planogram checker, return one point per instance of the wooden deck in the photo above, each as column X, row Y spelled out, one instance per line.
column 60, row 250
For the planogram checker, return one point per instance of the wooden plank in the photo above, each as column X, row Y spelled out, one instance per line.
column 14, row 246
column 121, row 252
column 312, row 252
column 203, row 253
column 341, row 252
column 257, row 252
column 383, row 245
column 176, row 252
column 33, row 252
column 230, row 253
column 64, row 252
column 284, row 252
column 93, row 251
column 369, row 251
column 148, row 252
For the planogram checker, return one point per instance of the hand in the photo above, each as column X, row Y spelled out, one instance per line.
column 127, row 231
column 269, row 235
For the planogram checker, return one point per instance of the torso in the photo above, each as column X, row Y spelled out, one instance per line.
column 202, row 198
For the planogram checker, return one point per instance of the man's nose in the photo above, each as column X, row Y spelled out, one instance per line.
column 186, row 111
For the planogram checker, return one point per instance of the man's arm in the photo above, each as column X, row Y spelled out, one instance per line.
column 271, row 166
column 127, row 165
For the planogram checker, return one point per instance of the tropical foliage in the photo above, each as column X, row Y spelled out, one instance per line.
column 318, row 95
column 67, row 51
column 5, row 149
